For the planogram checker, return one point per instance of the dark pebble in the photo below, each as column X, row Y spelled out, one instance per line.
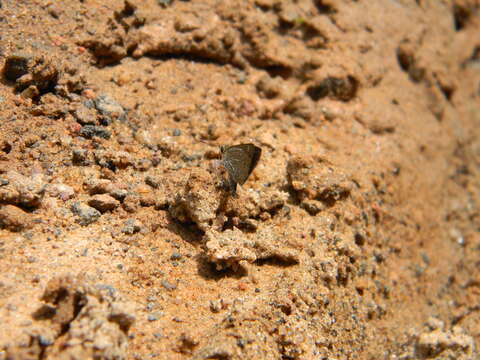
column 79, row 156
column 89, row 131
column 152, row 181
column 177, row 132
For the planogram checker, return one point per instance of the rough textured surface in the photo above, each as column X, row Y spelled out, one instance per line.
column 82, row 322
column 355, row 237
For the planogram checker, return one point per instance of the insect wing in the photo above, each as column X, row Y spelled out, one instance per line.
column 240, row 160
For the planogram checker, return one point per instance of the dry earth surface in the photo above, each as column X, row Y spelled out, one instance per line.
column 357, row 236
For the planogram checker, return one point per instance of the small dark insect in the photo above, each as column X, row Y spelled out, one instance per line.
column 239, row 160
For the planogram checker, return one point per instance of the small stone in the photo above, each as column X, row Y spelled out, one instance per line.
column 98, row 186
column 168, row 285
column 103, row 202
column 152, row 317
column 187, row 343
column 434, row 323
column 176, row 256
column 80, row 156
column 177, row 132
column 132, row 226
column 86, row 214
column 215, row 306
column 90, row 131
column 61, row 191
column 109, row 108
column 119, row 194
column 14, row 218
column 85, row 116
column 143, row 164
column 153, row 181
column 164, row 3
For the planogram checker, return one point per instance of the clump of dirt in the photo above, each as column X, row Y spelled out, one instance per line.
column 356, row 235
column 82, row 321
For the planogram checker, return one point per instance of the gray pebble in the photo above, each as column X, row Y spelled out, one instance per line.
column 90, row 131
column 177, row 132
column 176, row 256
column 44, row 341
column 108, row 288
column 119, row 194
column 215, row 306
column 109, row 108
column 168, row 285
column 164, row 3
column 86, row 214
column 132, row 226
column 153, row 317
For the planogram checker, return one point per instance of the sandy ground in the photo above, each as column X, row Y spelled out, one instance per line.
column 357, row 236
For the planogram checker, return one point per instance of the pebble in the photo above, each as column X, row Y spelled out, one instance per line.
column 86, row 214
column 85, row 116
column 61, row 191
column 176, row 256
column 153, row 181
column 109, row 108
column 119, row 194
column 103, row 202
column 215, row 306
column 79, row 156
column 152, row 317
column 168, row 285
column 90, row 131
column 132, row 226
